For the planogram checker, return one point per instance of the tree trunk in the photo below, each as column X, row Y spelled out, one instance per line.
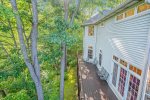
column 31, row 67
column 34, row 35
column 63, row 61
column 66, row 5
column 75, row 12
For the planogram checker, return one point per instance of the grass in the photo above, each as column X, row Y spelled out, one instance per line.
column 70, row 90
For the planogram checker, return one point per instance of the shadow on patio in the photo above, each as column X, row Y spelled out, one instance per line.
column 91, row 87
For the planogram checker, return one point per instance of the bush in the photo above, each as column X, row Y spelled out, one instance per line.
column 21, row 95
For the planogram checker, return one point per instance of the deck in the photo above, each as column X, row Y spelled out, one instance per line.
column 91, row 87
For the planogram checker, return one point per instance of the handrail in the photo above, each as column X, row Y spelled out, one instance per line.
column 78, row 78
column 78, row 85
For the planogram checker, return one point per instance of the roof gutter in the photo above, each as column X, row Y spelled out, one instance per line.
column 88, row 24
column 120, row 8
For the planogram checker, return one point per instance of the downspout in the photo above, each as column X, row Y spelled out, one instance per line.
column 147, row 65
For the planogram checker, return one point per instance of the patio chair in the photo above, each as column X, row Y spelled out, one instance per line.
column 101, row 72
column 105, row 76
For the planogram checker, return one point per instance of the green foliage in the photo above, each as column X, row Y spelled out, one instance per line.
column 6, row 12
column 21, row 95
column 15, row 78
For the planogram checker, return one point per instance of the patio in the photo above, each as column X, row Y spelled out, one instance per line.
column 91, row 87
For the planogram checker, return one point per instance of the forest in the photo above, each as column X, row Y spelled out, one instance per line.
column 39, row 44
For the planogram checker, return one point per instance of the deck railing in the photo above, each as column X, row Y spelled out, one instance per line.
column 78, row 85
column 79, row 53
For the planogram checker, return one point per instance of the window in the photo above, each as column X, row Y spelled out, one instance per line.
column 90, row 30
column 129, row 13
column 133, row 88
column 124, row 63
column 135, row 70
column 122, row 81
column 147, row 94
column 115, row 72
column 143, row 7
column 128, row 84
column 90, row 52
column 119, row 17
column 100, row 58
column 115, row 58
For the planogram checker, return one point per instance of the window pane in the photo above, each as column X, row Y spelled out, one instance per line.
column 133, row 88
column 143, row 7
column 123, row 62
column 90, row 52
column 115, row 72
column 135, row 70
column 129, row 13
column 119, row 17
column 100, row 59
column 122, row 81
column 90, row 30
column 115, row 58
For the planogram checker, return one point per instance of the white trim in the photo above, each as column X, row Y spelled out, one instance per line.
column 129, row 72
column 127, row 84
column 134, row 16
column 147, row 62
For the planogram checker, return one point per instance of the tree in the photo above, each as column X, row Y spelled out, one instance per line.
column 33, row 64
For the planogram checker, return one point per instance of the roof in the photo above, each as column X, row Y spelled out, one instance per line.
column 97, row 18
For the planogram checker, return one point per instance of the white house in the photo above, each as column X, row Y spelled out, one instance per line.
column 119, row 42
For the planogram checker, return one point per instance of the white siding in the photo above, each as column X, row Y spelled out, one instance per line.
column 89, row 41
column 126, row 39
column 129, row 39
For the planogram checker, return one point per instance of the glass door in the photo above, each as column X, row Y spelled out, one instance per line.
column 122, row 81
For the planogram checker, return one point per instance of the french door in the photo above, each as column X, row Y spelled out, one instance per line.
column 125, row 83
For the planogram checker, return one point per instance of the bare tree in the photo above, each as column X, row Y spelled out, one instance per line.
column 32, row 64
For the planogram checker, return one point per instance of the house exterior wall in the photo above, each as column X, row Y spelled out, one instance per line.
column 127, row 39
column 89, row 41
